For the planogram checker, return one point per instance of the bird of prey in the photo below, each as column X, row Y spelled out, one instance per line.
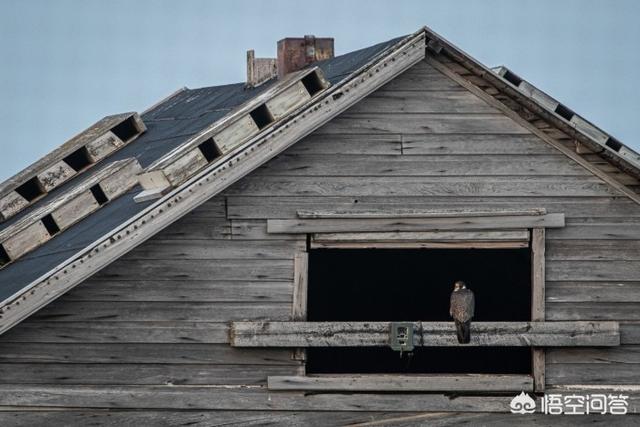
column 462, row 308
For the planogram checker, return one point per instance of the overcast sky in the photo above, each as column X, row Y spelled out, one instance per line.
column 65, row 64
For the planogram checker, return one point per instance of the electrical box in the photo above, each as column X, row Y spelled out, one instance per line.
column 401, row 336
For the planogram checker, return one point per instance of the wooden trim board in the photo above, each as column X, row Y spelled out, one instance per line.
column 338, row 225
column 429, row 334
column 403, row 383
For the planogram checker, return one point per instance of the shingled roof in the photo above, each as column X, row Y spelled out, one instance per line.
column 117, row 224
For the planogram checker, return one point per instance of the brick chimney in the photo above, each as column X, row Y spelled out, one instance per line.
column 259, row 70
column 296, row 53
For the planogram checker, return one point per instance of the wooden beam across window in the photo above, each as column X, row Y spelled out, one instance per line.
column 352, row 225
column 475, row 239
column 403, row 382
column 428, row 334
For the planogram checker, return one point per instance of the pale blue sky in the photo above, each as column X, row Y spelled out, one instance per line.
column 64, row 64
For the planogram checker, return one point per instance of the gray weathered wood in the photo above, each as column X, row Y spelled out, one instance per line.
column 538, row 302
column 412, row 224
column 354, row 334
column 418, row 213
column 403, row 383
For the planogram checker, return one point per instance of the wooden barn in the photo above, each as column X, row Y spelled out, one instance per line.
column 282, row 251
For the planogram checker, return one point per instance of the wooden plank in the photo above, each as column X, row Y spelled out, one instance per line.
column 354, row 334
column 627, row 354
column 422, row 123
column 412, row 224
column 593, row 250
column 403, row 101
column 403, row 383
column 99, row 289
column 301, row 271
column 185, row 353
column 538, row 302
column 255, row 398
column 348, row 144
column 55, row 175
column 182, row 168
column 140, row 373
column 180, row 248
column 586, row 291
column 75, row 209
column 427, row 166
column 593, row 311
column 11, row 204
column 288, row 100
column 236, row 133
column 265, row 207
column 390, row 244
column 605, row 231
column 25, row 239
column 103, row 332
column 102, row 146
column 453, row 187
column 448, row 144
column 419, row 213
column 593, row 270
column 114, row 244
column 426, row 236
column 156, row 311
column 231, row 269
column 586, row 373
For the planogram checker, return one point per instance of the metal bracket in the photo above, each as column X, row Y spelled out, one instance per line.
column 401, row 336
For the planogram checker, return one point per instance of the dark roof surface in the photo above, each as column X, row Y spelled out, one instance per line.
column 169, row 124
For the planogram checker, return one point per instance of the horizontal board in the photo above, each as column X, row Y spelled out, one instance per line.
column 431, row 334
column 626, row 292
column 592, row 270
column 409, row 101
column 160, row 332
column 585, row 373
column 229, row 269
column 410, row 186
column 254, row 207
column 181, row 290
column 416, row 81
column 418, row 213
column 122, row 373
column 186, row 353
column 422, row 123
column 604, row 230
column 337, row 225
column 354, row 165
column 623, row 354
column 209, row 418
column 630, row 332
column 433, row 236
column 195, row 229
column 403, row 383
column 187, row 249
column 593, row 250
column 348, row 144
column 171, row 397
column 461, row 144
column 257, row 230
column 592, row 311
column 66, row 311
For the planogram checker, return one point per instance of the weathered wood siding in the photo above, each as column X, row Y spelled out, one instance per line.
column 150, row 331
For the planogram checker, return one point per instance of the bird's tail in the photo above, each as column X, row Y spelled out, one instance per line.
column 463, row 330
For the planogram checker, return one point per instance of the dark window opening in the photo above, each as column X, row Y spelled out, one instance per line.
column 126, row 130
column 4, row 256
column 261, row 116
column 31, row 189
column 512, row 78
column 99, row 195
column 78, row 160
column 50, row 225
column 614, row 144
column 209, row 150
column 564, row 112
column 312, row 83
column 416, row 284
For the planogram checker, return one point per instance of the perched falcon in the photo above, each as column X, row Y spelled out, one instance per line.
column 461, row 309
